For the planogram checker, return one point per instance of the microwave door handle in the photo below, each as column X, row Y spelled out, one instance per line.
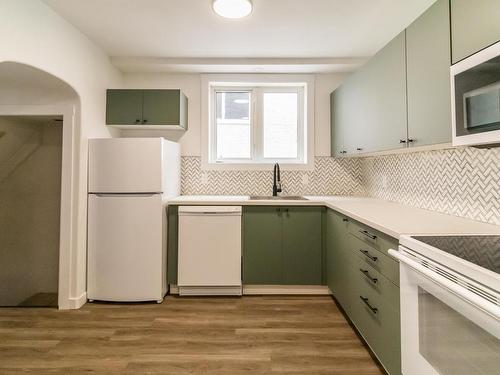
column 456, row 289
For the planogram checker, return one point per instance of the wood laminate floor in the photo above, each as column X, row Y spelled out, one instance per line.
column 249, row 335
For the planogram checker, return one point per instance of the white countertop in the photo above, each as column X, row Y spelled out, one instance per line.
column 391, row 218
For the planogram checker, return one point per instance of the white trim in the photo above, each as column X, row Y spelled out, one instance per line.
column 254, row 80
column 209, row 290
column 406, row 150
column 286, row 289
column 67, row 251
column 76, row 302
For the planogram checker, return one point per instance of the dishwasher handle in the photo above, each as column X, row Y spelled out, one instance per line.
column 210, row 210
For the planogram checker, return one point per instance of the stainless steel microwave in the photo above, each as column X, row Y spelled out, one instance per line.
column 475, row 104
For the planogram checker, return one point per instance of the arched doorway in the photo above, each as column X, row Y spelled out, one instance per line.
column 38, row 118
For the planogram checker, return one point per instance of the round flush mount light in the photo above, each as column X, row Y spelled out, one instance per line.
column 232, row 8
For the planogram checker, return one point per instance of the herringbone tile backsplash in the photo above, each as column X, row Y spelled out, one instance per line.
column 329, row 177
column 461, row 181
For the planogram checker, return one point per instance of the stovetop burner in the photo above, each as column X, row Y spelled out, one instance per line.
column 483, row 251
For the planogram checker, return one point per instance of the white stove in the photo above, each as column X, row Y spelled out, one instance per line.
column 450, row 304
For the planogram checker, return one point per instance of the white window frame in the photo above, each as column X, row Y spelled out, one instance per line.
column 258, row 84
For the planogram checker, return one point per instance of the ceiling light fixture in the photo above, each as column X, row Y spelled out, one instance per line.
column 232, row 8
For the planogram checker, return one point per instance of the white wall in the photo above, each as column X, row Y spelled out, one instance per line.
column 190, row 85
column 32, row 33
column 30, row 195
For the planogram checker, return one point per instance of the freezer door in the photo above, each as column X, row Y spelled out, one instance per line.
column 125, row 165
column 126, row 260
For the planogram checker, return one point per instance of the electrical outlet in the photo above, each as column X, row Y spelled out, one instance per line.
column 305, row 179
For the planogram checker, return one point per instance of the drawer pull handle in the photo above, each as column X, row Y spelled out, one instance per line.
column 367, row 274
column 367, row 254
column 368, row 234
column 365, row 300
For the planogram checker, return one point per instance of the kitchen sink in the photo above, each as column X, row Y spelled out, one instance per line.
column 279, row 197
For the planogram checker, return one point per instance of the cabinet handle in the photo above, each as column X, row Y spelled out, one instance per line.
column 137, row 121
column 365, row 300
column 144, row 121
column 359, row 149
column 343, row 152
column 411, row 140
column 344, row 219
column 367, row 274
column 278, row 210
column 286, row 210
column 402, row 141
column 368, row 234
column 368, row 255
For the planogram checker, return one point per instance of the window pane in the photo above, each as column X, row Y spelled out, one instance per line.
column 280, row 125
column 233, row 105
column 233, row 125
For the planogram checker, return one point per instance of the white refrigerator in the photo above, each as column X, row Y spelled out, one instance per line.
column 130, row 180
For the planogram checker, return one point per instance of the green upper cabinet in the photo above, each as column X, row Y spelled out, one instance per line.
column 337, row 131
column 124, row 107
column 474, row 25
column 302, row 245
column 384, row 102
column 146, row 109
column 369, row 109
column 428, row 76
column 282, row 245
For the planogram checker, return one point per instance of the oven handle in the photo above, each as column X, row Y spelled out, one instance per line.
column 460, row 291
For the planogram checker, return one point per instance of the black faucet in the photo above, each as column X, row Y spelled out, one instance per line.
column 276, row 180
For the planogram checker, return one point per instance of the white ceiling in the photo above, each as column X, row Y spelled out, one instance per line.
column 189, row 30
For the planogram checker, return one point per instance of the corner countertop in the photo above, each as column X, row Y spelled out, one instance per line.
column 391, row 218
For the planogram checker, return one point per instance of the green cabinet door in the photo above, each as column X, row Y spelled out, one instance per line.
column 262, row 245
column 369, row 109
column 302, row 252
column 172, row 243
column 124, row 107
column 428, row 76
column 337, row 258
column 337, row 125
column 383, row 103
column 164, row 107
column 474, row 26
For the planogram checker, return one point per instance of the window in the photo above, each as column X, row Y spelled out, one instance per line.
column 257, row 125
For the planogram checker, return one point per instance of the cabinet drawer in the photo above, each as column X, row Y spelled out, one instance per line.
column 375, row 258
column 376, row 239
column 379, row 324
column 376, row 285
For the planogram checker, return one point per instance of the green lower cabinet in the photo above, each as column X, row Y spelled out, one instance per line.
column 302, row 246
column 282, row 245
column 262, row 246
column 172, row 244
column 336, row 244
column 369, row 298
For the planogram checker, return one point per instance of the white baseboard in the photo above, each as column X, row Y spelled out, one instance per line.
column 210, row 290
column 286, row 289
column 174, row 289
column 277, row 289
column 75, row 302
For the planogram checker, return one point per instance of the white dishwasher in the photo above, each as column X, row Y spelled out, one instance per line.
column 209, row 259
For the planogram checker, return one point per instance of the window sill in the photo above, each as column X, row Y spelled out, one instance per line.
column 205, row 166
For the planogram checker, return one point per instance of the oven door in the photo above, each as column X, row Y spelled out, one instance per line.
column 445, row 328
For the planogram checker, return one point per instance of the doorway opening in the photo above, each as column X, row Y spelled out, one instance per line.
column 30, row 201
